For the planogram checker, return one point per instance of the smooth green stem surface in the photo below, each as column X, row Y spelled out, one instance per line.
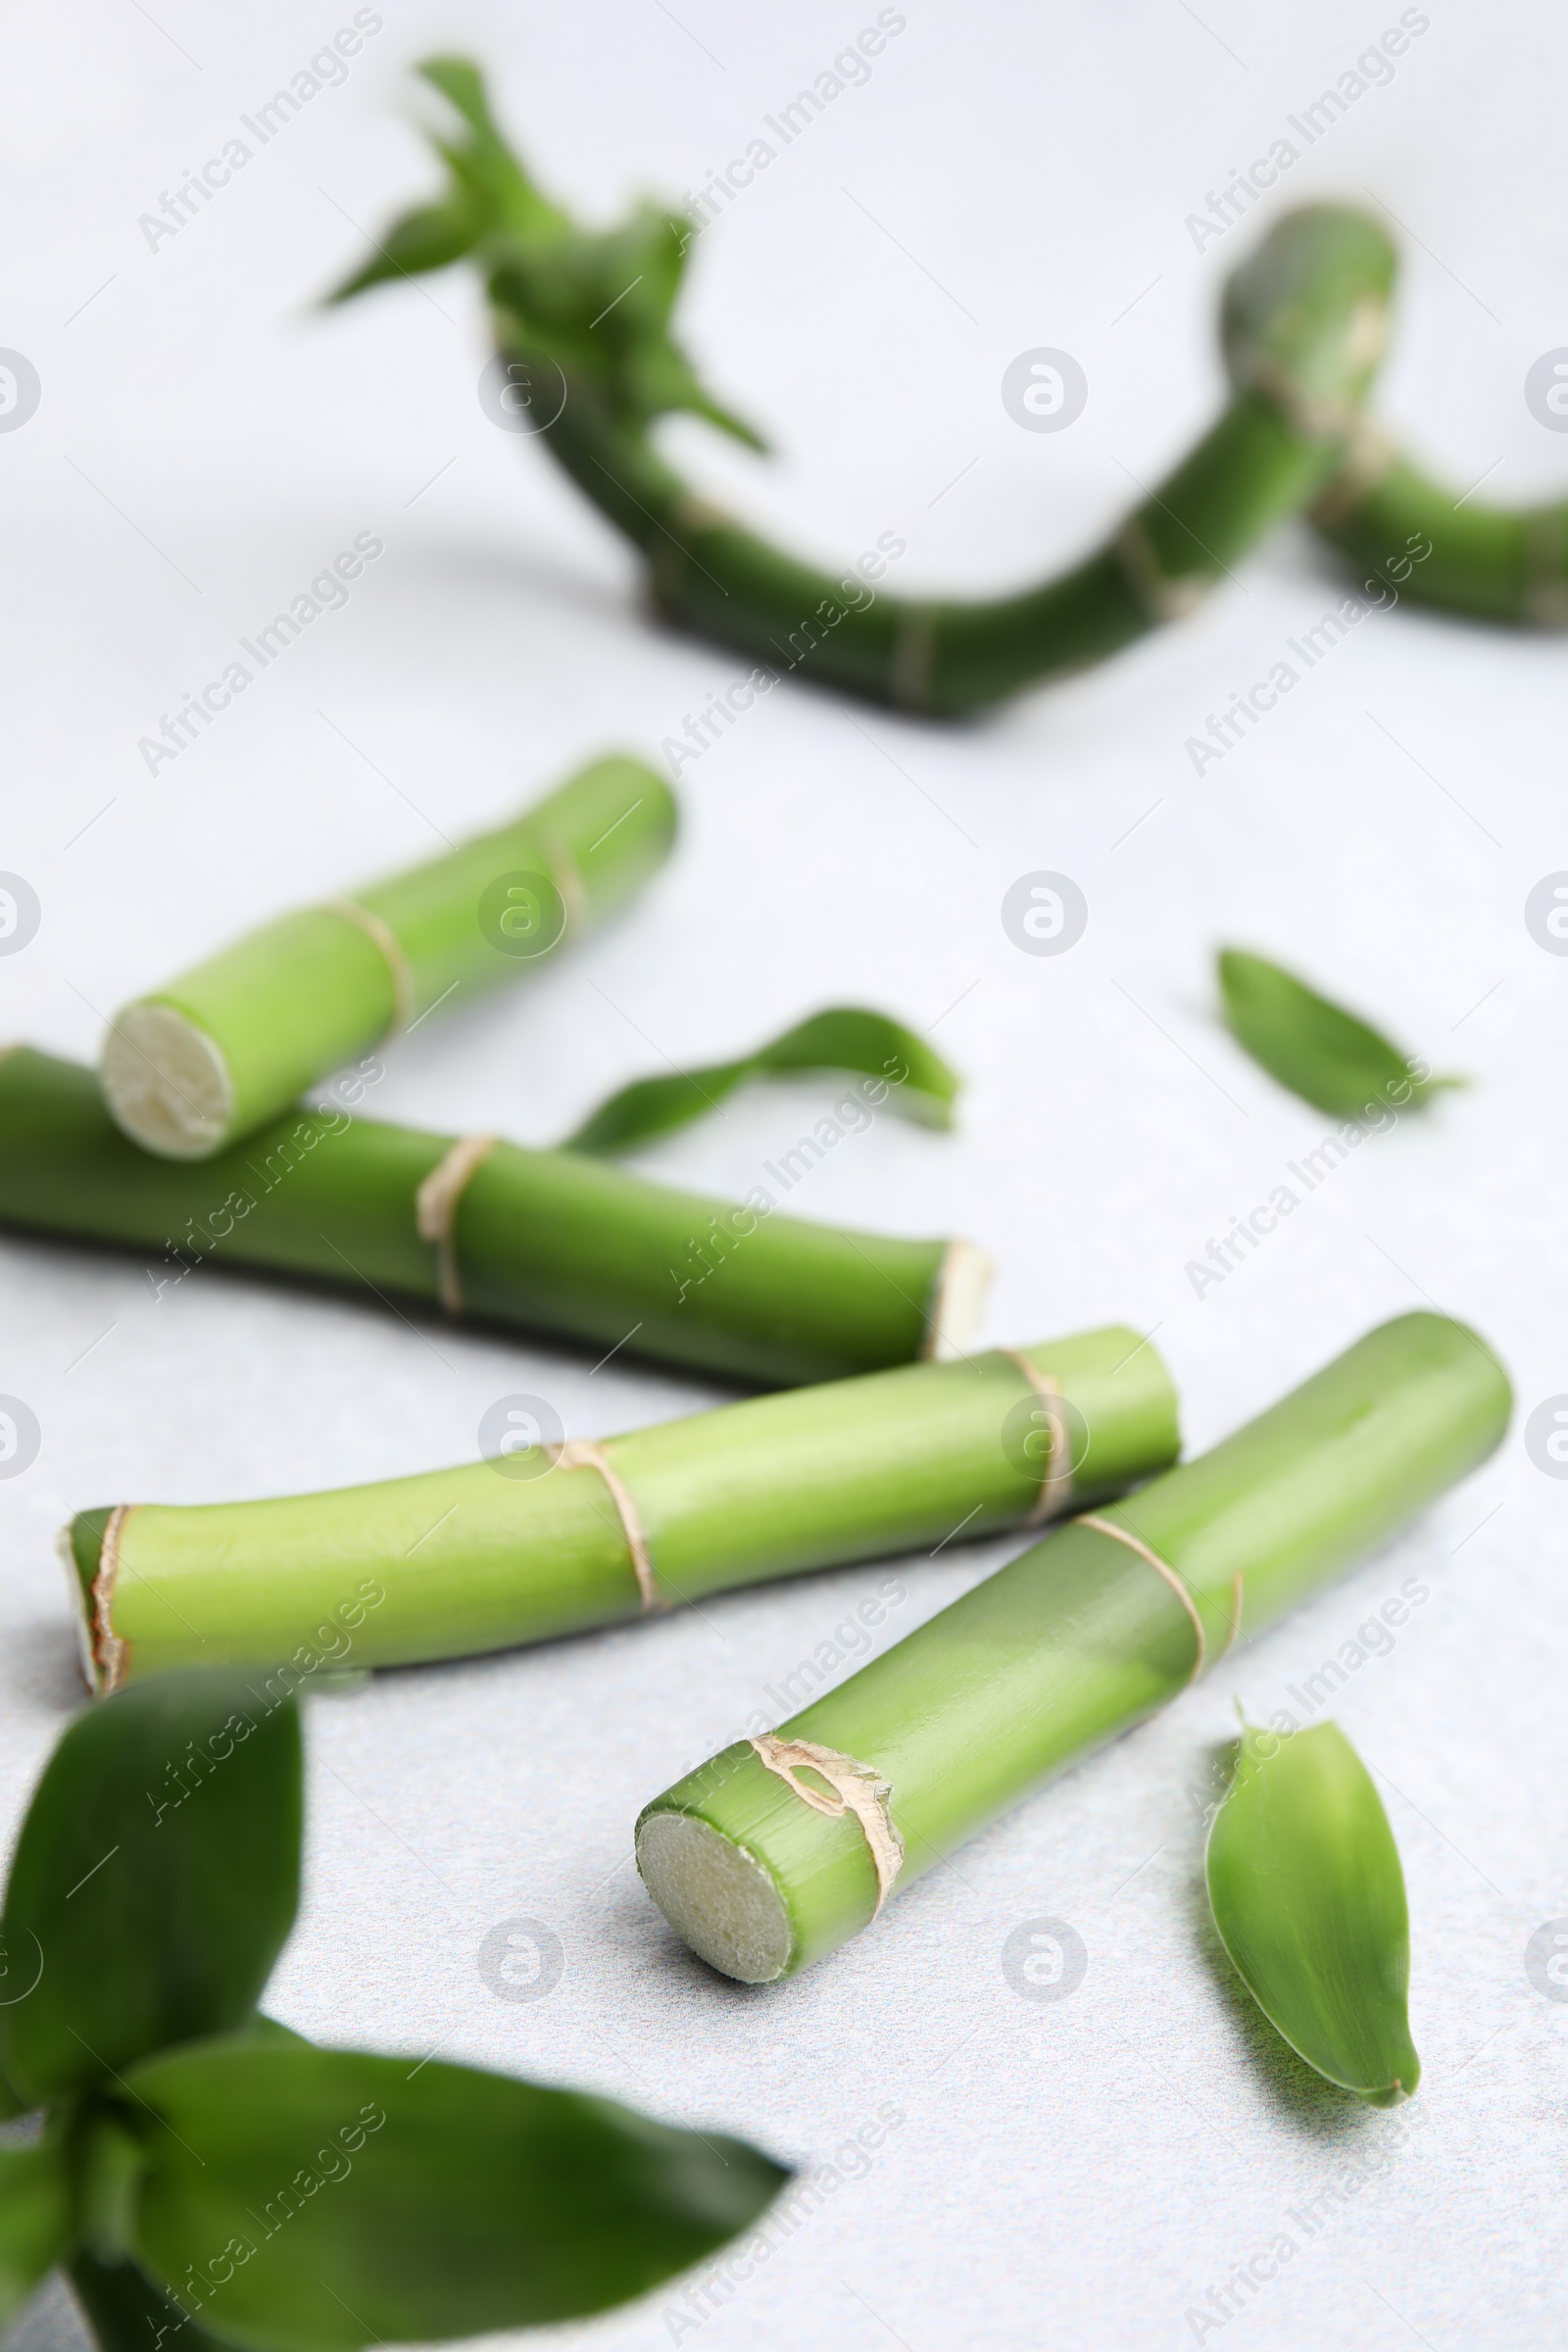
column 1489, row 563
column 1253, row 467
column 1303, row 328
column 1081, row 1638
column 225, row 1046
column 513, row 1549
column 547, row 1240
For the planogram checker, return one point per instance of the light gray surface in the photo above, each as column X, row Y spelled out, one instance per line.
column 1009, row 177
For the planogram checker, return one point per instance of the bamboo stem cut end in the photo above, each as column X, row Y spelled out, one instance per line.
column 81, row 1608
column 166, row 1083
column 958, row 1304
column 716, row 1897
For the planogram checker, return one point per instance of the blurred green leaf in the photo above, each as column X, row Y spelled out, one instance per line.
column 155, row 1878
column 1316, row 1048
column 329, row 2200
column 35, row 2220
column 844, row 1039
column 595, row 304
column 1308, row 1896
column 126, row 2313
column 429, row 238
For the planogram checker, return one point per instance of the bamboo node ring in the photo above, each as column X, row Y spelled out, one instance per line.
column 110, row 1654
column 858, row 1789
column 1178, row 1583
column 1056, row 1487
column 383, row 935
column 435, row 1209
column 580, row 1453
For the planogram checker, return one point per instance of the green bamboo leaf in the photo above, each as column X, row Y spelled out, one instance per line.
column 308, row 2200
column 595, row 304
column 35, row 2220
column 155, row 1880
column 1308, row 1897
column 1321, row 1052
column 126, row 2312
column 461, row 85
column 429, row 238
column 919, row 1084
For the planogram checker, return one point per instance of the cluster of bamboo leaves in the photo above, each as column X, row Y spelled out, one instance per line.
column 195, row 2167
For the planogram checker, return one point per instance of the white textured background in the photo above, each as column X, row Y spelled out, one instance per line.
column 1011, row 177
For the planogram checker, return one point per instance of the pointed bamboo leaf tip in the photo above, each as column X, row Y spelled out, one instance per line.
column 1318, row 1049
column 1308, row 1896
column 462, row 83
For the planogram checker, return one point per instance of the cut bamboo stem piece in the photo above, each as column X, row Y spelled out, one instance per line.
column 542, row 1541
column 759, row 1860
column 546, row 1241
column 232, row 1042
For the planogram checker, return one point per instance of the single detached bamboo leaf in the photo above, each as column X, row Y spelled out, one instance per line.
column 308, row 2200
column 1326, row 1055
column 1308, row 1896
column 916, row 1081
column 155, row 1880
column 35, row 2220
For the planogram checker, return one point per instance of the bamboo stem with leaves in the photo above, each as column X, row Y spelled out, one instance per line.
column 199, row 2167
column 583, row 327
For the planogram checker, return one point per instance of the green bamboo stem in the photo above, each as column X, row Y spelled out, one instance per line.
column 547, row 1240
column 1489, row 563
column 526, row 1547
column 582, row 322
column 1072, row 1643
column 229, row 1044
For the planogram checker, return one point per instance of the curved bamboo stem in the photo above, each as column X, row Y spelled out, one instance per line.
column 1489, row 562
column 589, row 317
